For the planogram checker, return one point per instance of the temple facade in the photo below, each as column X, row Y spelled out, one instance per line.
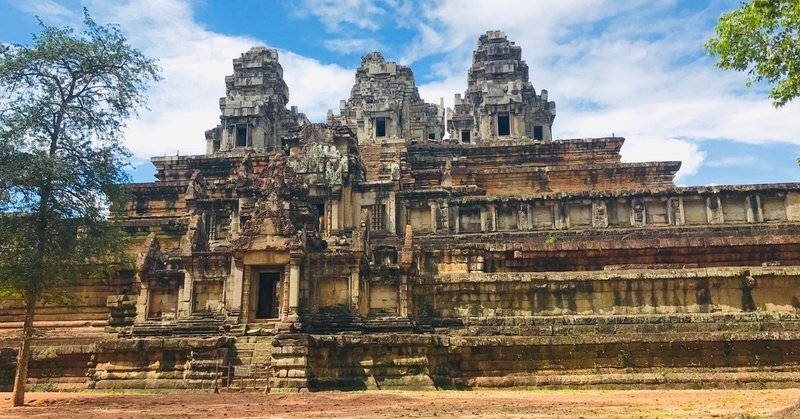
column 401, row 244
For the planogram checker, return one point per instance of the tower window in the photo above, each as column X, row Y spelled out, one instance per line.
column 503, row 124
column 431, row 136
column 380, row 127
column 465, row 136
column 376, row 221
column 538, row 132
column 241, row 136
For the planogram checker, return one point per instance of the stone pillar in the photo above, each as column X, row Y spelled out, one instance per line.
column 355, row 285
column 561, row 216
column 390, row 214
column 185, row 300
column 638, row 213
column 234, row 285
column 599, row 214
column 294, row 287
column 754, row 211
column 403, row 300
column 675, row 212
column 285, row 293
column 142, row 301
column 334, row 214
column 406, row 263
column 524, row 213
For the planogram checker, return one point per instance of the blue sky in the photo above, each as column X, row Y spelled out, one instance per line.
column 634, row 68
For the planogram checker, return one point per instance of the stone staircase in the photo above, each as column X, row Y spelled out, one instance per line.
column 249, row 358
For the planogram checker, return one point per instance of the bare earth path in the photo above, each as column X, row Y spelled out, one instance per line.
column 396, row 404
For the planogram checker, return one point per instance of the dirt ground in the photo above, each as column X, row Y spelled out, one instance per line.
column 404, row 404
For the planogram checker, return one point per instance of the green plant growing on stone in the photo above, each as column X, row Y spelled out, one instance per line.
column 64, row 101
column 625, row 359
column 596, row 368
column 550, row 240
column 46, row 353
column 43, row 387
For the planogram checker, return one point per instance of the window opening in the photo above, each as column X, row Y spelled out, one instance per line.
column 241, row 136
column 380, row 127
column 211, row 226
column 376, row 217
column 503, row 124
column 538, row 132
column 465, row 136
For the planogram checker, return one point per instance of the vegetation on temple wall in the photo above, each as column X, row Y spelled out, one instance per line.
column 763, row 39
column 64, row 102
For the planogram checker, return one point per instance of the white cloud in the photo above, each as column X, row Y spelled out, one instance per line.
column 356, row 46
column 361, row 14
column 669, row 149
column 47, row 10
column 735, row 161
column 195, row 61
column 315, row 87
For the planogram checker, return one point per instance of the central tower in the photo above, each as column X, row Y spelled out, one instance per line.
column 500, row 102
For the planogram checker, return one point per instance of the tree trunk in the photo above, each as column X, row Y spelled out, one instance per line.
column 18, row 396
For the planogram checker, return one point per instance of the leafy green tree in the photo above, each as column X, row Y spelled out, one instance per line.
column 763, row 39
column 64, row 102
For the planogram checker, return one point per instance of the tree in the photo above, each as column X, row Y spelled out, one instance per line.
column 763, row 38
column 64, row 101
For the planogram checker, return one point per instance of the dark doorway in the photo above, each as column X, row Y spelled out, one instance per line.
column 268, row 285
column 503, row 124
column 241, row 136
column 380, row 127
column 465, row 136
column 538, row 132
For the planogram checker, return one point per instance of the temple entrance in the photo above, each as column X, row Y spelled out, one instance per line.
column 267, row 294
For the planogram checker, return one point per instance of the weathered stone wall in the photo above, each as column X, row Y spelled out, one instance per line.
column 64, row 364
column 380, row 362
column 461, row 296
column 84, row 304
column 753, row 350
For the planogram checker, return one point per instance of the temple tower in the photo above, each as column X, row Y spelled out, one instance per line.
column 253, row 111
column 500, row 101
column 385, row 104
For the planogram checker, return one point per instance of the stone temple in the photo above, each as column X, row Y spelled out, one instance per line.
column 403, row 245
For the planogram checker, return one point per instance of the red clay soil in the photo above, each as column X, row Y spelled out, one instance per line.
column 402, row 404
